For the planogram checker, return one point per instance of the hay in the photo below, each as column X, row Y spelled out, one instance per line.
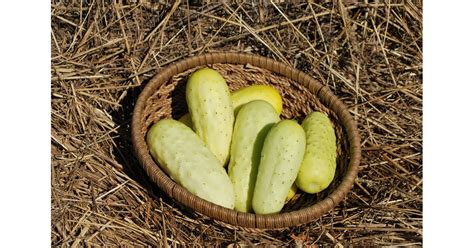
column 103, row 54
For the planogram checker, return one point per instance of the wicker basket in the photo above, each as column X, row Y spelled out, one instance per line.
column 164, row 97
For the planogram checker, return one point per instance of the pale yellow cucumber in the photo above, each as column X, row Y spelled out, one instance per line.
column 185, row 158
column 247, row 94
column 252, row 123
column 212, row 114
column 257, row 92
column 292, row 192
column 319, row 164
column 281, row 157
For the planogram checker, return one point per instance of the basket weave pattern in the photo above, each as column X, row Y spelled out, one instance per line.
column 164, row 97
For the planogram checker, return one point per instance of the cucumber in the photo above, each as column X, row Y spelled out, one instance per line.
column 252, row 124
column 319, row 164
column 185, row 158
column 292, row 192
column 212, row 114
column 186, row 120
column 247, row 94
column 282, row 154
column 257, row 92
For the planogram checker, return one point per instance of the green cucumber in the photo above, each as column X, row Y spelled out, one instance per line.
column 185, row 158
column 252, row 124
column 281, row 157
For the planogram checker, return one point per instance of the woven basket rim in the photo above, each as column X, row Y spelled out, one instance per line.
column 235, row 218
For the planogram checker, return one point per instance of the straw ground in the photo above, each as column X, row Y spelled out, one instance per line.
column 103, row 53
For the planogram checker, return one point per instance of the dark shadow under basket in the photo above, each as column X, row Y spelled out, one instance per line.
column 164, row 97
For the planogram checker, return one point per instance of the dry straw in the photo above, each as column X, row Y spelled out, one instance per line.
column 102, row 53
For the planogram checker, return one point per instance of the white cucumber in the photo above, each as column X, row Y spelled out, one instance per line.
column 212, row 113
column 281, row 157
column 252, row 124
column 185, row 158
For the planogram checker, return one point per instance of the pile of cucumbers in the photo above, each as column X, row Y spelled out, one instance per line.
column 267, row 158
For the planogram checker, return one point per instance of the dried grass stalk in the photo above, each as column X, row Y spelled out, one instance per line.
column 369, row 54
